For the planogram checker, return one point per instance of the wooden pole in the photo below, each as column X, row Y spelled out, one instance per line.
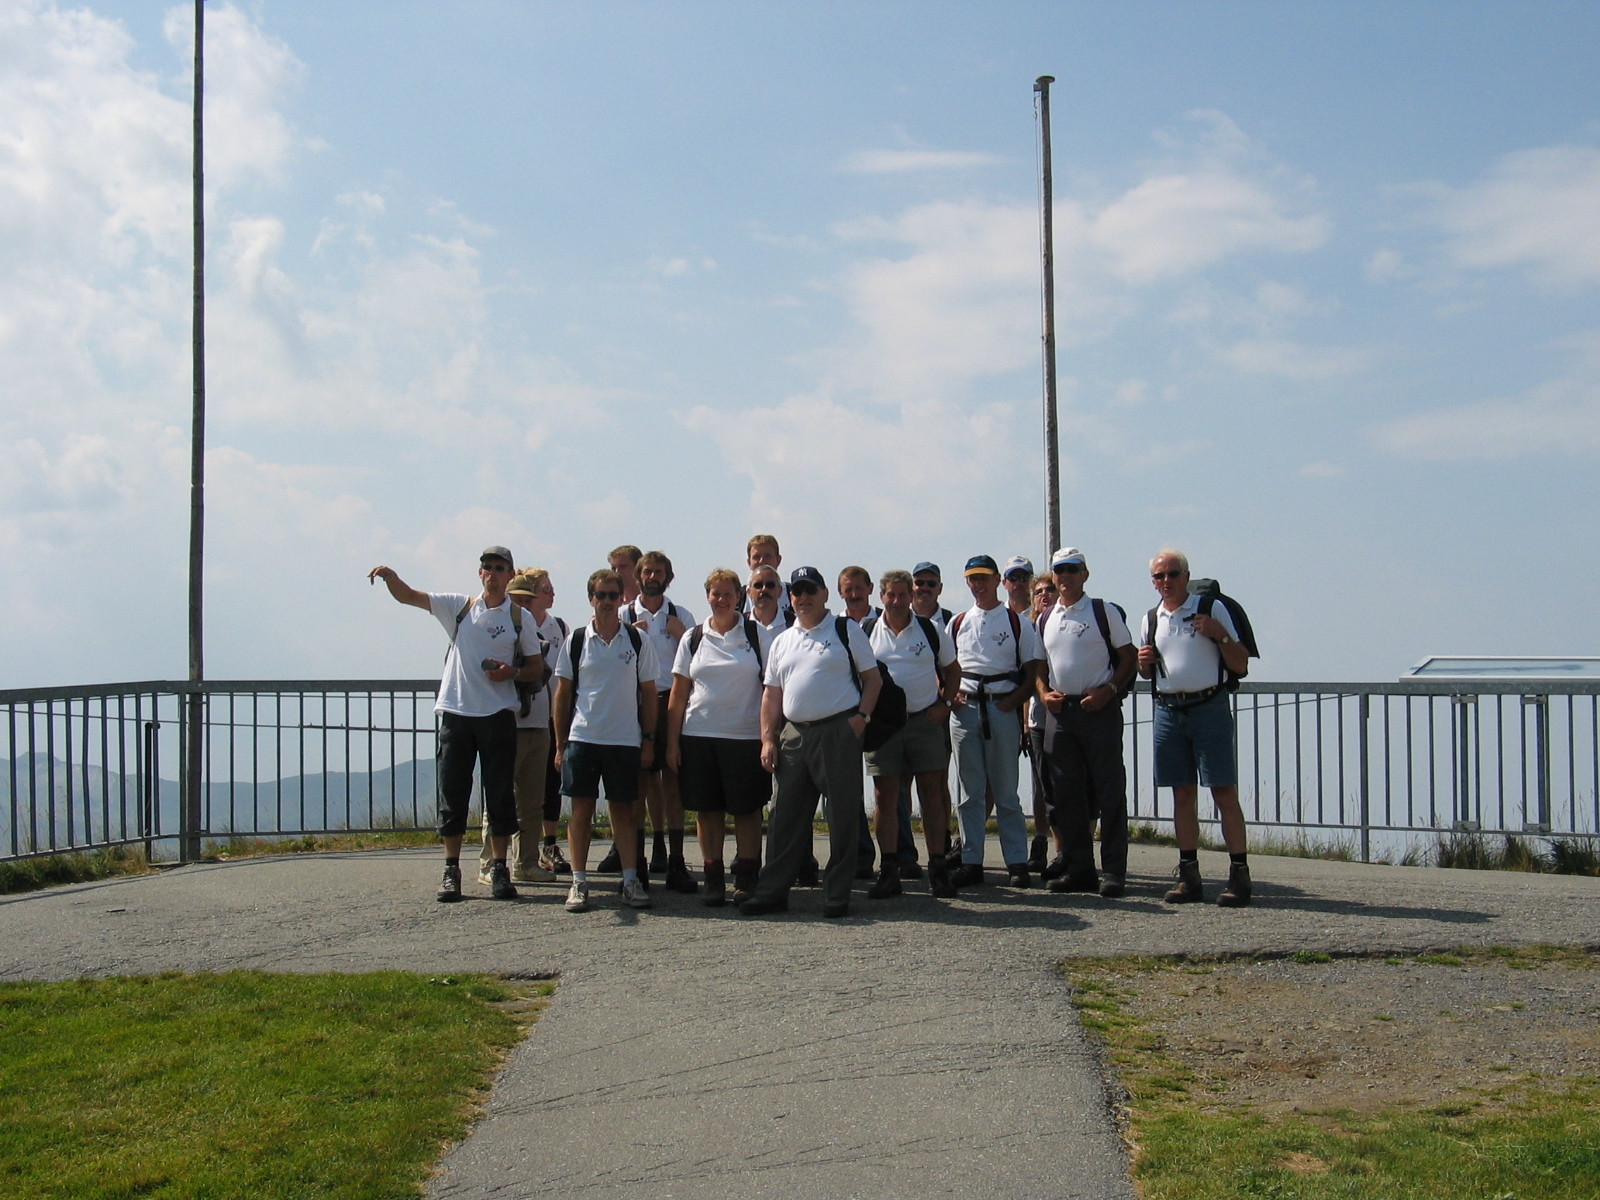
column 194, row 725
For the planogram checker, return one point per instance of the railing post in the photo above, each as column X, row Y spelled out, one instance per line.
column 1364, row 711
column 1463, row 764
column 1541, row 762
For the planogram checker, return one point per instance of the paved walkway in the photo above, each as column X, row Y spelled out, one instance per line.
column 918, row 1047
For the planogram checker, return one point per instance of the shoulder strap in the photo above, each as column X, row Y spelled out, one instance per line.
column 696, row 636
column 561, row 625
column 869, row 624
column 462, row 616
column 788, row 616
column 752, row 634
column 1016, row 637
column 575, row 647
column 841, row 626
column 944, row 615
column 672, row 610
column 931, row 632
column 955, row 627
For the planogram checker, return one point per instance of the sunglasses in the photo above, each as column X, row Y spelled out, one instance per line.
column 763, row 586
column 926, row 585
column 494, row 566
column 1069, row 568
column 1158, row 576
column 803, row 589
column 605, row 595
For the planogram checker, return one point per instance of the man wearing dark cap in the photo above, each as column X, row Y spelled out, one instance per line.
column 998, row 653
column 492, row 649
column 822, row 683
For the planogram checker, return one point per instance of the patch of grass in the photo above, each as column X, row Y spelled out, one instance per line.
column 1537, row 1140
column 31, row 874
column 243, row 847
column 1310, row 956
column 1574, row 856
column 1142, row 833
column 245, row 1084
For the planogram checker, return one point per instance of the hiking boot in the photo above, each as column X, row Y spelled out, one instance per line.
column 835, row 911
column 1112, row 886
column 939, row 882
column 1237, row 893
column 745, row 873
column 500, row 886
column 450, row 885
column 952, row 856
column 533, row 874
column 551, row 859
column 911, row 870
column 810, row 875
column 1076, row 881
column 612, row 862
column 1054, row 869
column 1189, row 889
column 1036, row 855
column 888, row 883
column 660, row 863
column 678, row 877
column 634, row 894
column 716, row 886
column 484, row 877
column 967, row 875
column 578, row 898
column 755, row 907
column 1018, row 876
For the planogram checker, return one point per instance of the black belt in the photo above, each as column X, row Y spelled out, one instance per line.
column 849, row 712
column 1182, row 700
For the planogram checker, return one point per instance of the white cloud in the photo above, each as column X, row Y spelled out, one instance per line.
column 1560, row 416
column 1535, row 210
column 889, row 162
column 1291, row 360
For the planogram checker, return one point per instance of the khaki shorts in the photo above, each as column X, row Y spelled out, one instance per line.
column 920, row 745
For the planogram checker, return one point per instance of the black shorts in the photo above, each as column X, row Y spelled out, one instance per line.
column 658, row 760
column 723, row 775
column 584, row 766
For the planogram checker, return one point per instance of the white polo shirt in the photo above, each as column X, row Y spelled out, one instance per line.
column 539, row 709
column 1193, row 662
column 986, row 644
column 666, row 646
column 1074, row 650
column 726, row 679
column 483, row 633
column 813, row 668
column 911, row 661
column 605, row 710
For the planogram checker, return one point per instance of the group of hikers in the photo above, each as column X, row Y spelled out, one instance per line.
column 775, row 701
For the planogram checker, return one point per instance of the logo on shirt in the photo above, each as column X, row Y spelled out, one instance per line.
column 627, row 655
column 1001, row 638
column 495, row 631
column 918, row 649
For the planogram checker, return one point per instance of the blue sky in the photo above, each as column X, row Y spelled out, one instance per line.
column 563, row 276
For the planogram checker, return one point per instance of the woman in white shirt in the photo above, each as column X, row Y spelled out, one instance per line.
column 714, row 734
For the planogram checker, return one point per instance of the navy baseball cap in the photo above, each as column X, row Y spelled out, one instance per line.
column 981, row 564
column 807, row 575
column 927, row 568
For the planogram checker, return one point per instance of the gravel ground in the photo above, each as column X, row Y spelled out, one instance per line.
column 1360, row 1033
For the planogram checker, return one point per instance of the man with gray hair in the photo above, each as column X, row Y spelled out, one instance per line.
column 1185, row 649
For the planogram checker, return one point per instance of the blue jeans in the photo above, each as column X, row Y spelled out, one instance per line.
column 989, row 764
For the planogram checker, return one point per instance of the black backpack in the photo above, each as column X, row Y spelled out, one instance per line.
column 889, row 714
column 1210, row 591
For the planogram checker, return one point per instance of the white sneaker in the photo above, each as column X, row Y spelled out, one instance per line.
column 533, row 875
column 485, row 878
column 634, row 895
column 578, row 898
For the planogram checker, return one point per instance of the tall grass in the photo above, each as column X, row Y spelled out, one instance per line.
column 31, row 874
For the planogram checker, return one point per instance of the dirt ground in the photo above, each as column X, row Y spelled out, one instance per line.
column 1357, row 1033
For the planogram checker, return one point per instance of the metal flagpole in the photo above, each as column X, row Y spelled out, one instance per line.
column 194, row 725
column 1052, row 465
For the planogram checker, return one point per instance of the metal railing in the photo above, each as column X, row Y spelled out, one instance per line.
column 1367, row 765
